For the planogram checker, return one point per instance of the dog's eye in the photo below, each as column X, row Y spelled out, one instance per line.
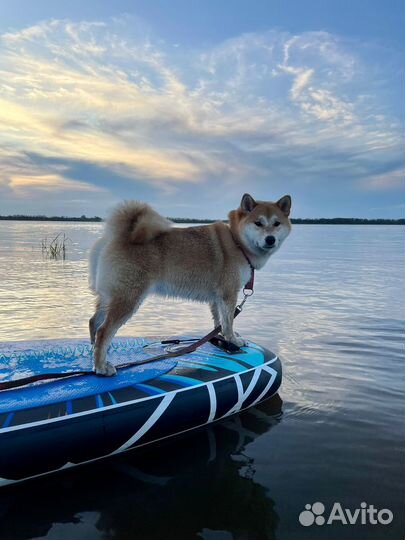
column 258, row 224
column 277, row 223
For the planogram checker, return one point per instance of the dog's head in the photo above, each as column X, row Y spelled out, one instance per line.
column 261, row 226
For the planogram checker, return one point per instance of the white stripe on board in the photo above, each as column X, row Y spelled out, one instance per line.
column 153, row 418
column 213, row 402
column 239, row 386
column 273, row 375
column 241, row 394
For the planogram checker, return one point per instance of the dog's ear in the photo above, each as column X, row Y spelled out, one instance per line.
column 247, row 203
column 285, row 204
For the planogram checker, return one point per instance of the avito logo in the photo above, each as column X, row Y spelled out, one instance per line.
column 365, row 515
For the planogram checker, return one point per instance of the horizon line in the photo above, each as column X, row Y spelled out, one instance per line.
column 310, row 221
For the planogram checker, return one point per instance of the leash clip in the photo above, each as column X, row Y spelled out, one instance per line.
column 246, row 294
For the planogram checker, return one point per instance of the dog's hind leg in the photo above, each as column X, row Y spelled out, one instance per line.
column 119, row 310
column 96, row 321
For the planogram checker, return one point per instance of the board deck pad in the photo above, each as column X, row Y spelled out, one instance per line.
column 23, row 359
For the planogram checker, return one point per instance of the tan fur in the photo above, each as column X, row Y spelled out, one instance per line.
column 140, row 253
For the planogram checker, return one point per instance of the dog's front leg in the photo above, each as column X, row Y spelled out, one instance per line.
column 227, row 307
column 215, row 314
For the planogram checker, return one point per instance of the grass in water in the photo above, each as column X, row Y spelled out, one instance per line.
column 56, row 248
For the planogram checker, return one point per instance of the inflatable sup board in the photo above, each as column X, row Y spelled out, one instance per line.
column 51, row 425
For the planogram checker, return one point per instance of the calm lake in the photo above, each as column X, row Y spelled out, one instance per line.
column 331, row 304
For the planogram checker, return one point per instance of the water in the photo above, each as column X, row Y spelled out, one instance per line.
column 330, row 303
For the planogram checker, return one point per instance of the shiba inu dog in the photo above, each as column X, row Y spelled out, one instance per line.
column 141, row 253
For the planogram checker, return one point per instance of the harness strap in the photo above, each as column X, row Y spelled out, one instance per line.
column 250, row 284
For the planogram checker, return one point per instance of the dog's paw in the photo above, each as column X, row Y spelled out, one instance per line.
column 238, row 341
column 107, row 370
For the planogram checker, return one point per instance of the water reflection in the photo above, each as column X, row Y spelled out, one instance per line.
column 199, row 486
column 330, row 304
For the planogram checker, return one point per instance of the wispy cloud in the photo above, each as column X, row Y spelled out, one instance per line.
column 262, row 106
column 390, row 181
column 47, row 182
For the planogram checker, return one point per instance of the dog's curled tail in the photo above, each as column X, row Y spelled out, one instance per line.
column 136, row 222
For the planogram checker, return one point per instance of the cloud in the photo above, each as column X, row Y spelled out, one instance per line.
column 47, row 182
column 390, row 181
column 301, row 81
column 262, row 107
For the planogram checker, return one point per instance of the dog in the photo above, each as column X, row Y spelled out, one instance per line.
column 142, row 253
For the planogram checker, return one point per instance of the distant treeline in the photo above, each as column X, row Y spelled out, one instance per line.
column 320, row 221
column 348, row 221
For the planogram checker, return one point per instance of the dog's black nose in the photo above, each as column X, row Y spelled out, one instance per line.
column 270, row 240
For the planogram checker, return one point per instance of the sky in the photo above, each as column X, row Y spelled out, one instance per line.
column 189, row 104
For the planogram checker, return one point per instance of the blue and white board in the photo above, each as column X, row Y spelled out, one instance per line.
column 78, row 419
